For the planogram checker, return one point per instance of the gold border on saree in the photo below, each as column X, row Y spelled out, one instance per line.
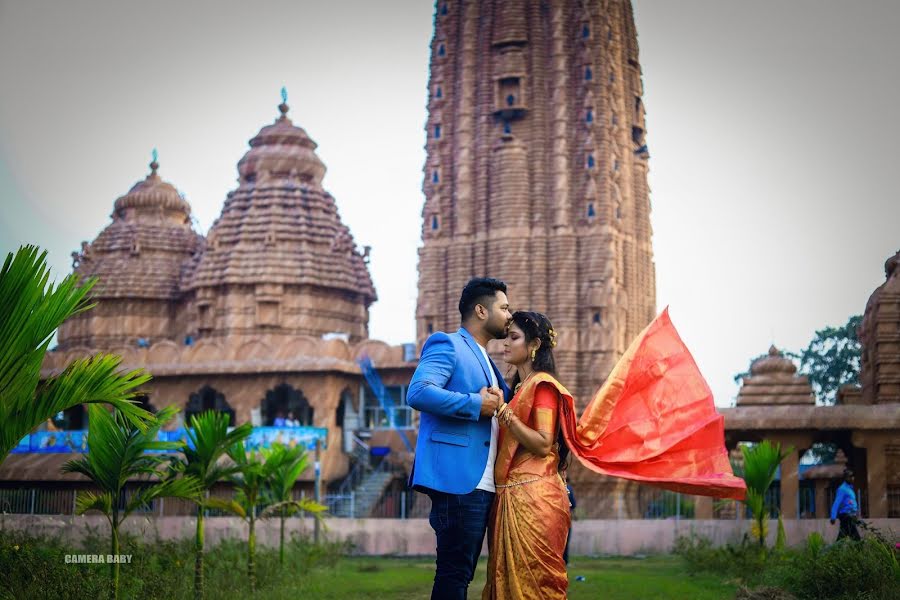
column 523, row 482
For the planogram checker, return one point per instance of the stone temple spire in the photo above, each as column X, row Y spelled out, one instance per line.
column 536, row 173
column 278, row 260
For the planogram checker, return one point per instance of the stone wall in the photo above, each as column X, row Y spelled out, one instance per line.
column 414, row 537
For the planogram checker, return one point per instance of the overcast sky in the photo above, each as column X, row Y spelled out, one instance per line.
column 772, row 127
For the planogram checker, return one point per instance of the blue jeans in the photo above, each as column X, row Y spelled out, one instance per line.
column 459, row 522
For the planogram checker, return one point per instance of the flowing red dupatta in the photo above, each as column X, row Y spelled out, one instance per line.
column 654, row 420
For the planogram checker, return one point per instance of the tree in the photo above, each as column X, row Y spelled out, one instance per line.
column 253, row 498
column 117, row 453
column 249, row 479
column 832, row 359
column 31, row 310
column 286, row 465
column 760, row 464
column 208, row 441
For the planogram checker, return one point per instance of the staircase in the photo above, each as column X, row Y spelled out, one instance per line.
column 364, row 496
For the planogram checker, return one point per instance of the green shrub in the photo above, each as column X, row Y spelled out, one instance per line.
column 35, row 567
column 846, row 570
column 32, row 566
column 745, row 561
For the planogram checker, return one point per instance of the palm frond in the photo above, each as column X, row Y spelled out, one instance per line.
column 227, row 505
column 761, row 464
column 187, row 488
column 85, row 501
column 294, row 506
column 209, row 441
column 32, row 309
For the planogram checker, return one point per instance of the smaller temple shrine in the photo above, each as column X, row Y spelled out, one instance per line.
column 777, row 404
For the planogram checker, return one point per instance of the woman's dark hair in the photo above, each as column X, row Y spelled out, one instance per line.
column 480, row 290
column 537, row 326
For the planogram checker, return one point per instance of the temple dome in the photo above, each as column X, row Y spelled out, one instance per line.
column 282, row 149
column 138, row 260
column 773, row 380
column 152, row 199
column 773, row 363
column 281, row 240
column 142, row 252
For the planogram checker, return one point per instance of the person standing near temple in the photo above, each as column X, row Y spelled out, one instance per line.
column 845, row 508
column 457, row 388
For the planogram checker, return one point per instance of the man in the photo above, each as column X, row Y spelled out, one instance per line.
column 845, row 508
column 457, row 388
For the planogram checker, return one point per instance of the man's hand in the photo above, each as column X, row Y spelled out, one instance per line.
column 490, row 401
column 832, row 521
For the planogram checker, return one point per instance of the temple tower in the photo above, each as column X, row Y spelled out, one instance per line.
column 139, row 260
column 536, row 173
column 278, row 260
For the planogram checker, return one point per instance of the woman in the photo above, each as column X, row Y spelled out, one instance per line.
column 530, row 519
column 653, row 421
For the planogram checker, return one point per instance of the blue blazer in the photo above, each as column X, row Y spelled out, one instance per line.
column 453, row 442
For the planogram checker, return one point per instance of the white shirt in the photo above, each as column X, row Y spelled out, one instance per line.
column 487, row 478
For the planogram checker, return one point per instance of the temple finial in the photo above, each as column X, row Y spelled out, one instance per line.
column 154, row 155
column 283, row 107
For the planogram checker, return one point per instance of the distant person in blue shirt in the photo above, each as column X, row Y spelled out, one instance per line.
column 279, row 421
column 845, row 508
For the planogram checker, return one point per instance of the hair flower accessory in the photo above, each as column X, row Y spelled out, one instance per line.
column 552, row 335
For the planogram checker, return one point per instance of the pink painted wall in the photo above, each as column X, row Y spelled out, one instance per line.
column 414, row 537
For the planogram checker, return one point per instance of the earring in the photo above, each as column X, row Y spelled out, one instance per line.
column 533, row 354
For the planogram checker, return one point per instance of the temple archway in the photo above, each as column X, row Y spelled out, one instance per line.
column 284, row 399
column 208, row 398
column 344, row 406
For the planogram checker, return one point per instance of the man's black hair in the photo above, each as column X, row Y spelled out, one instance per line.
column 480, row 290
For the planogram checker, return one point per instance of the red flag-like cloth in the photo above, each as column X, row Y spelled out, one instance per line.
column 654, row 421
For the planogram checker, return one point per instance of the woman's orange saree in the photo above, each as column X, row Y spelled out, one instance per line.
column 653, row 421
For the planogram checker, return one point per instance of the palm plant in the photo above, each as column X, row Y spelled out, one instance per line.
column 760, row 465
column 117, row 454
column 209, row 440
column 285, row 466
column 32, row 309
column 259, row 475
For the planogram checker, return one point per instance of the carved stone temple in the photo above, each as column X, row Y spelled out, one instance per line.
column 267, row 314
column 536, row 173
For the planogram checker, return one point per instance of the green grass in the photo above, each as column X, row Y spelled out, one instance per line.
column 657, row 577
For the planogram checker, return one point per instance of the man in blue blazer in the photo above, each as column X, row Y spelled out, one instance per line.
column 457, row 388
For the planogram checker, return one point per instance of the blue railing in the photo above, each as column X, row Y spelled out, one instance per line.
column 387, row 403
column 51, row 442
